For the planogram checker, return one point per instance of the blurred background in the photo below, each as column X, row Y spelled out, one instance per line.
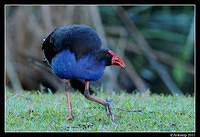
column 155, row 42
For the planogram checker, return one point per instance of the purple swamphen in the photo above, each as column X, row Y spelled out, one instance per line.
column 74, row 52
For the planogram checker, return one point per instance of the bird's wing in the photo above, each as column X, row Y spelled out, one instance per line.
column 79, row 39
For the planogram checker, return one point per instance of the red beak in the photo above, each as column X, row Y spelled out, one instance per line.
column 116, row 60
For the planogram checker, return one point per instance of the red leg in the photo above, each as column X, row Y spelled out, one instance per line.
column 106, row 104
column 70, row 117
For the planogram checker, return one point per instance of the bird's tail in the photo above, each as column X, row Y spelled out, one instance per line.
column 79, row 85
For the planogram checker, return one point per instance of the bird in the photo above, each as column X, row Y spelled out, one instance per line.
column 75, row 52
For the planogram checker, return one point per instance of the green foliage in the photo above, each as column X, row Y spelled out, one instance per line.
column 133, row 112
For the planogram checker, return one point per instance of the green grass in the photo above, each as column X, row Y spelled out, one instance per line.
column 48, row 112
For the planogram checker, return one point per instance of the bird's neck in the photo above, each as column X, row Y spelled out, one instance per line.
column 96, row 61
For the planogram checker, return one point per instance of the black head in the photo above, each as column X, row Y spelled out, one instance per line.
column 109, row 58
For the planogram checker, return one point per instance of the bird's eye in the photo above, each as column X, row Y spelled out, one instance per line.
column 52, row 40
column 108, row 55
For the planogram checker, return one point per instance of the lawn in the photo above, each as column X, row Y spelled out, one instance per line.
column 30, row 111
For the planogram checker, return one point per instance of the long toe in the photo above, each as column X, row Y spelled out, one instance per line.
column 112, row 115
column 70, row 117
column 109, row 112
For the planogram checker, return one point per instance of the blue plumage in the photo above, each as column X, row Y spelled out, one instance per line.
column 79, row 39
column 66, row 66
column 74, row 52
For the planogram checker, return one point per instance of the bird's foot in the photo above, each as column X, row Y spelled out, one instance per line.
column 108, row 110
column 70, row 117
